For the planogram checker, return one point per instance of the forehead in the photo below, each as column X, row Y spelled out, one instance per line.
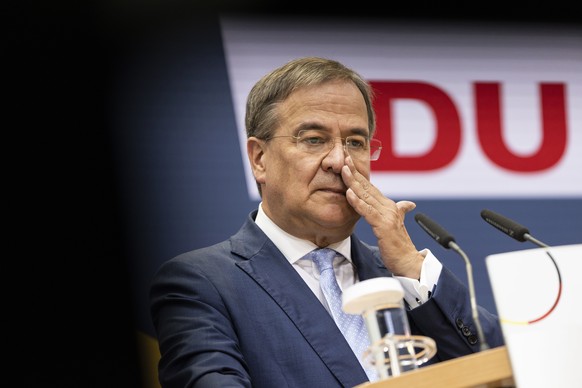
column 332, row 105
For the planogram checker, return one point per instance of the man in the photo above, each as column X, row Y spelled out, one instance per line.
column 249, row 311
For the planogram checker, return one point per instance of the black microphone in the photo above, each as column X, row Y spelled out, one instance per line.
column 445, row 239
column 510, row 227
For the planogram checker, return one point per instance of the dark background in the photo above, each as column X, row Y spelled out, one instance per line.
column 68, row 287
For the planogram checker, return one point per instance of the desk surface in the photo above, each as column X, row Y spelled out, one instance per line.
column 489, row 368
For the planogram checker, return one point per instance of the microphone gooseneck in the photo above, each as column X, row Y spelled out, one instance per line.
column 510, row 227
column 444, row 238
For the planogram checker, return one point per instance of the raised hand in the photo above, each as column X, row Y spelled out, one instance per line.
column 386, row 218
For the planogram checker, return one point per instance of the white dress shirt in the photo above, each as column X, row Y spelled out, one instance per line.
column 294, row 249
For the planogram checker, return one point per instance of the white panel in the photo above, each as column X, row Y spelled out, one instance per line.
column 542, row 343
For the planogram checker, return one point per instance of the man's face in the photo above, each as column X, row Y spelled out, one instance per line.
column 302, row 192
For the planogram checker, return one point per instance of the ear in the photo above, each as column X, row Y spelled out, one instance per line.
column 256, row 154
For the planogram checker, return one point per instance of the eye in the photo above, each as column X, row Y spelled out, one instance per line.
column 356, row 142
column 311, row 138
column 314, row 140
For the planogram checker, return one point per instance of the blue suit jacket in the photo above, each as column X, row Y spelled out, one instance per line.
column 237, row 314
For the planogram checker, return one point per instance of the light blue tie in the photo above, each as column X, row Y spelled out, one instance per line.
column 352, row 326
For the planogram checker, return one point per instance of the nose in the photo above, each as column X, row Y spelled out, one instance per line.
column 335, row 158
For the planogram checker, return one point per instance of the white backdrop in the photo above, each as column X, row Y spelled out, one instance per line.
column 451, row 60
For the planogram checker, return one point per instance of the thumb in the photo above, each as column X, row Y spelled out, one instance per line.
column 405, row 206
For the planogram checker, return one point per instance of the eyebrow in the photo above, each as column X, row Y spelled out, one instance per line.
column 315, row 126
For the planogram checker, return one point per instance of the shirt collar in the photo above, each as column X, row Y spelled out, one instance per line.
column 294, row 248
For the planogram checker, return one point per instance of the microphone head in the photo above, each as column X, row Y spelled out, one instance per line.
column 434, row 230
column 506, row 225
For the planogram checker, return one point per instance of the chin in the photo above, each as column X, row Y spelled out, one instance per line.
column 336, row 216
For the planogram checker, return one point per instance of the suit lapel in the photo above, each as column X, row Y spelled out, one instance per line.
column 367, row 261
column 273, row 273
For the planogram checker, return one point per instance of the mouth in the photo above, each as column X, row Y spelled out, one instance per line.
column 339, row 191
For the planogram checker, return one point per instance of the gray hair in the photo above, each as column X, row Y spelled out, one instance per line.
column 261, row 116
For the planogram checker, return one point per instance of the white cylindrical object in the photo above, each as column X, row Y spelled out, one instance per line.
column 369, row 294
column 380, row 302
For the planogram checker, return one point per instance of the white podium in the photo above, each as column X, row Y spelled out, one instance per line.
column 538, row 295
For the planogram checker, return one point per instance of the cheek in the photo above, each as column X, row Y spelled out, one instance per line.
column 364, row 169
column 295, row 172
column 279, row 170
column 305, row 170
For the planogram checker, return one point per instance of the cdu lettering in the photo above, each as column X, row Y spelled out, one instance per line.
column 488, row 122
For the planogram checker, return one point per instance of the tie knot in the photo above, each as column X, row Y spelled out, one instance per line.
column 323, row 258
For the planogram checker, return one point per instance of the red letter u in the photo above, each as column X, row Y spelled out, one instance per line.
column 553, row 111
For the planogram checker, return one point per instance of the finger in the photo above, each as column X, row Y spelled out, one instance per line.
column 349, row 171
column 360, row 184
column 364, row 197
